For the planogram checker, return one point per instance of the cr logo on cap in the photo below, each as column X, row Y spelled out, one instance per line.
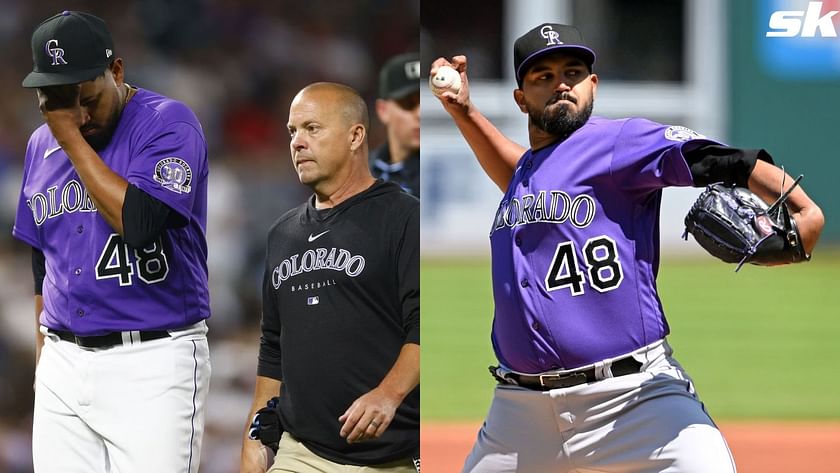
column 552, row 36
column 56, row 53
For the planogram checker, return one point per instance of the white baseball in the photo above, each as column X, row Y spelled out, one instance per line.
column 446, row 79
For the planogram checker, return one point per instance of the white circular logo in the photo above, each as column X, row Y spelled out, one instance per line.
column 174, row 174
column 681, row 133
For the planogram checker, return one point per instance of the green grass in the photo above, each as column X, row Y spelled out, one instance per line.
column 760, row 344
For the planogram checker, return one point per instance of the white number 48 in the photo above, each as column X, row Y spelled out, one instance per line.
column 602, row 266
column 115, row 262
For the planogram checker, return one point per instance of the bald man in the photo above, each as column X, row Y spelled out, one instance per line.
column 339, row 360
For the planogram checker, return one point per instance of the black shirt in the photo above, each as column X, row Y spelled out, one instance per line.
column 341, row 296
column 405, row 173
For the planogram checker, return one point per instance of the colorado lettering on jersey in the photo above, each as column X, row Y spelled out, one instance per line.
column 315, row 260
column 72, row 198
column 553, row 206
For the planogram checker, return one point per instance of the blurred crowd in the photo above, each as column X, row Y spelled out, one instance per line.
column 237, row 64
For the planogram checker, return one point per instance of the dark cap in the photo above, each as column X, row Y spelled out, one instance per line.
column 400, row 76
column 69, row 48
column 546, row 39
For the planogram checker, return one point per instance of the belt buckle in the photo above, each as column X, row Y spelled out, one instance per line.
column 562, row 381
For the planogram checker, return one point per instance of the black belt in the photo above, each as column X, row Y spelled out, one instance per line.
column 109, row 339
column 545, row 382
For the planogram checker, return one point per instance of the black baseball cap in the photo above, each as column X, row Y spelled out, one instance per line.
column 546, row 39
column 400, row 76
column 69, row 48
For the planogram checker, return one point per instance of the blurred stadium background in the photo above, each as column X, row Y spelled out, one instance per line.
column 237, row 64
column 759, row 343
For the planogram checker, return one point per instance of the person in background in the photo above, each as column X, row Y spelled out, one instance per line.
column 398, row 107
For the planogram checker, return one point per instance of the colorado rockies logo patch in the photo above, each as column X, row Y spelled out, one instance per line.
column 174, row 174
column 56, row 53
column 552, row 36
column 681, row 133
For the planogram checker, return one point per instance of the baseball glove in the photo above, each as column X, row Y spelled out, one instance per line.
column 736, row 226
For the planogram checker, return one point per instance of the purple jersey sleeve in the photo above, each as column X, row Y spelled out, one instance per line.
column 649, row 156
column 25, row 228
column 167, row 167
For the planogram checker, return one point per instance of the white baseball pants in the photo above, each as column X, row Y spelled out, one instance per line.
column 649, row 422
column 129, row 408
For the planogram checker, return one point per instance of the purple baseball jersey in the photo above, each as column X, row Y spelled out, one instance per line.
column 94, row 282
column 575, row 245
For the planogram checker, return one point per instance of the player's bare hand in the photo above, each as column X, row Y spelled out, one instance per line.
column 455, row 103
column 369, row 416
column 810, row 221
column 60, row 108
column 255, row 457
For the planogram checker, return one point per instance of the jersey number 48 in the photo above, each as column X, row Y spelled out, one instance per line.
column 602, row 266
column 115, row 262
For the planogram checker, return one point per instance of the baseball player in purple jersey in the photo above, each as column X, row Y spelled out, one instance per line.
column 586, row 378
column 114, row 204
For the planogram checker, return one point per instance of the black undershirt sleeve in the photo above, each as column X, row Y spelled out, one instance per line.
column 270, row 361
column 39, row 270
column 715, row 163
column 145, row 218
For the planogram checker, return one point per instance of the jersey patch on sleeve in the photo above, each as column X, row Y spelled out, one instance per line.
column 174, row 174
column 681, row 133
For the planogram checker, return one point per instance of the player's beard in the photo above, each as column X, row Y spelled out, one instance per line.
column 561, row 121
column 100, row 140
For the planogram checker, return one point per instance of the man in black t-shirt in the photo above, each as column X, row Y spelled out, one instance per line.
column 341, row 304
column 398, row 108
